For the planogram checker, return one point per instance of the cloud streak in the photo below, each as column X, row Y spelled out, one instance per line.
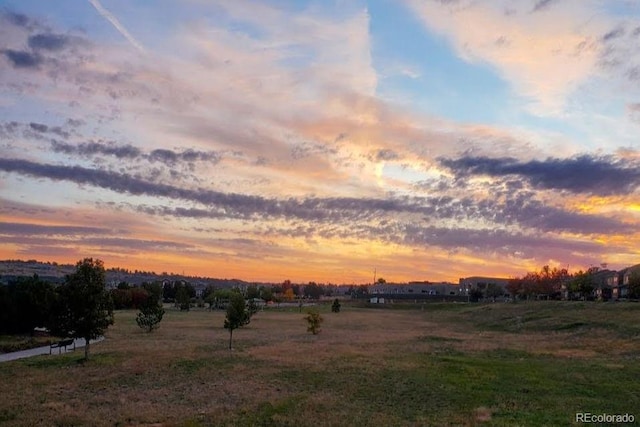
column 14, row 228
column 599, row 175
column 116, row 23
column 520, row 209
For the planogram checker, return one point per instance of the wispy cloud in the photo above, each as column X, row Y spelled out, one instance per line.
column 542, row 4
column 545, row 56
column 116, row 23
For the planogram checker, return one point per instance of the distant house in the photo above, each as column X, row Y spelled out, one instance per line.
column 602, row 284
column 382, row 293
column 612, row 282
column 620, row 286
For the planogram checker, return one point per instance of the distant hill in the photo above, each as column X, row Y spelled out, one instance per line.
column 55, row 273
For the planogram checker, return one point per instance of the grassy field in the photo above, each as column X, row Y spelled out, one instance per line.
column 442, row 364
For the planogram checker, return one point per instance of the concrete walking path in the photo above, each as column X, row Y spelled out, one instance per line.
column 38, row 351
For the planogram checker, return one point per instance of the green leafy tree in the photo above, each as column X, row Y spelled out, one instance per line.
column 154, row 289
column 207, row 294
column 236, row 316
column 183, row 299
column 252, row 292
column 24, row 304
column 313, row 290
column 335, row 307
column 314, row 320
column 151, row 312
column 582, row 283
column 168, row 292
column 83, row 308
column 266, row 293
column 252, row 308
column 219, row 298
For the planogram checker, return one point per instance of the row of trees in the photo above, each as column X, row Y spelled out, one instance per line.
column 81, row 307
column 25, row 304
column 547, row 283
column 240, row 311
column 551, row 283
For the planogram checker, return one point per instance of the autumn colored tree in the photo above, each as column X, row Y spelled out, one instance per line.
column 139, row 296
column 547, row 283
column 314, row 320
column 288, row 294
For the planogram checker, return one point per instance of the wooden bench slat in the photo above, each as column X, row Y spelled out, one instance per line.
column 62, row 343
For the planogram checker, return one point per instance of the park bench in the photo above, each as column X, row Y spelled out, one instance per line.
column 60, row 344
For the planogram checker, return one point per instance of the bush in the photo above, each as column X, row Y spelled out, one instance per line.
column 151, row 311
column 314, row 320
column 335, row 307
column 150, row 318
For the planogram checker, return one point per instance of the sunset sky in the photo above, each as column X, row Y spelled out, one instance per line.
column 320, row 140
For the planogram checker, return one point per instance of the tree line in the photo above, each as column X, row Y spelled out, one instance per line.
column 81, row 307
column 558, row 283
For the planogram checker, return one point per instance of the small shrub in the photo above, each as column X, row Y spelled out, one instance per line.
column 314, row 320
column 151, row 313
column 335, row 307
column 150, row 318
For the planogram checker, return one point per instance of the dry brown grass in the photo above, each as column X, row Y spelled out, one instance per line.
column 183, row 373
